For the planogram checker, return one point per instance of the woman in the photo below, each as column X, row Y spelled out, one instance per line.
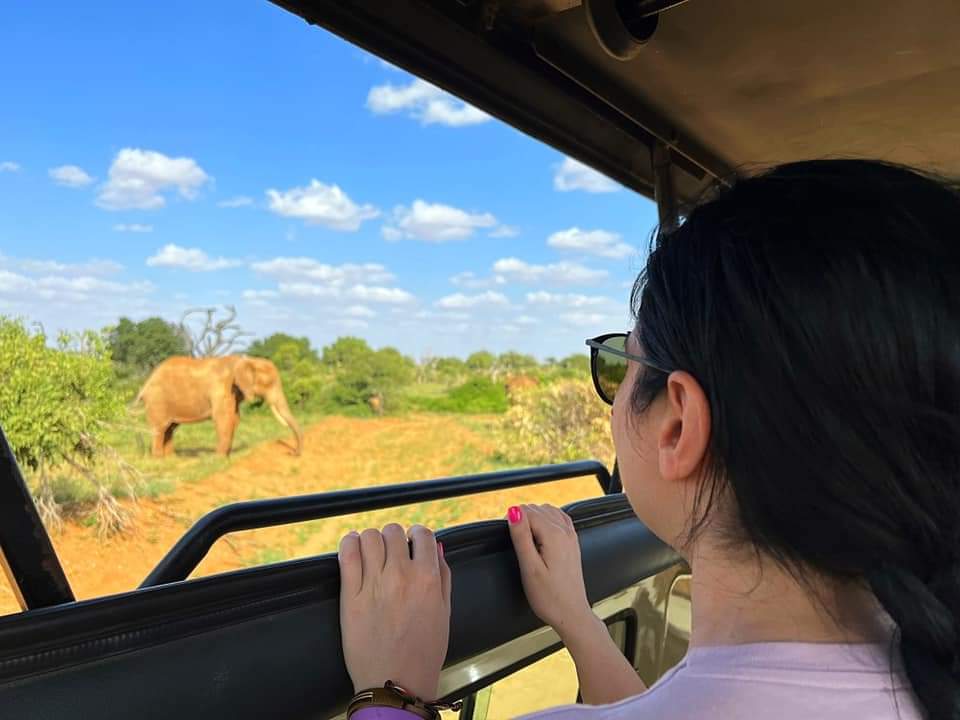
column 789, row 421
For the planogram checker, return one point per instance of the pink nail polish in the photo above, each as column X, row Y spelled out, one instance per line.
column 514, row 515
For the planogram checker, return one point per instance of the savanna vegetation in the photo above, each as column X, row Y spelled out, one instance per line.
column 67, row 405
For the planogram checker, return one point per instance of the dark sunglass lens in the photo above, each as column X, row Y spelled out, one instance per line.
column 611, row 369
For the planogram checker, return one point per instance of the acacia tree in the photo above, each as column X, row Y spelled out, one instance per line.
column 209, row 336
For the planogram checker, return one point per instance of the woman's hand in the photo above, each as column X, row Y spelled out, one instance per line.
column 549, row 555
column 394, row 608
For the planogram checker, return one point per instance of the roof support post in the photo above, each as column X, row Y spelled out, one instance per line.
column 26, row 553
column 664, row 189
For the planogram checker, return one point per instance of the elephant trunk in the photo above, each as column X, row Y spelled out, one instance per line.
column 281, row 411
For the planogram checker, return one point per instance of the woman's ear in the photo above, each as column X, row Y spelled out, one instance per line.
column 245, row 378
column 684, row 433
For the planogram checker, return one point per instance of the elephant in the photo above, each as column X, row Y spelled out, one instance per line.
column 186, row 390
column 516, row 385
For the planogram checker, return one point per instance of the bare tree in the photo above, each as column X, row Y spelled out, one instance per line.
column 212, row 337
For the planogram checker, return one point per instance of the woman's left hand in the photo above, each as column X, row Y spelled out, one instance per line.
column 394, row 608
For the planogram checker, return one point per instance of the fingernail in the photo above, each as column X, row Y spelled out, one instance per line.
column 440, row 548
column 514, row 515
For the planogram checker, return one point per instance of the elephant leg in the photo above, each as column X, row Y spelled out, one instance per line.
column 159, row 441
column 226, row 426
column 168, row 439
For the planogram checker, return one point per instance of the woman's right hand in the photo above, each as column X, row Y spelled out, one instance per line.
column 549, row 554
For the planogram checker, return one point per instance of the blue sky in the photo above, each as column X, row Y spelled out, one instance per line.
column 155, row 157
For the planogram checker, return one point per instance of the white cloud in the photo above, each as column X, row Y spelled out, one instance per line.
column 321, row 204
column 61, row 289
column 304, row 268
column 311, row 290
column 584, row 319
column 446, row 315
column 504, row 231
column 424, row 102
column 235, row 202
column 192, row 259
column 435, row 222
column 133, row 227
column 574, row 175
column 470, row 280
column 9, row 166
column 359, row 311
column 566, row 300
column 70, row 176
column 95, row 267
column 86, row 284
column 460, row 301
column 259, row 297
column 561, row 273
column 352, row 323
column 526, row 320
column 380, row 294
column 11, row 282
column 593, row 242
column 138, row 178
column 363, row 293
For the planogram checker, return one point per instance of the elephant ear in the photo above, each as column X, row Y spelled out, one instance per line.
column 245, row 378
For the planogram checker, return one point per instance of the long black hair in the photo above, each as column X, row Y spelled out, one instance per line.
column 818, row 305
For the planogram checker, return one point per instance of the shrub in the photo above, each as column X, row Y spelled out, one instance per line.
column 360, row 373
column 307, row 385
column 560, row 422
column 478, row 395
column 54, row 405
column 284, row 350
column 481, row 362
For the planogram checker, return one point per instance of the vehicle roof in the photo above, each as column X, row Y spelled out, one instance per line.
column 725, row 84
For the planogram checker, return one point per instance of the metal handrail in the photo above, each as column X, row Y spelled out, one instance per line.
column 184, row 557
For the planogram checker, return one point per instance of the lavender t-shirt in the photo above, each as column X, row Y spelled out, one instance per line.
column 782, row 681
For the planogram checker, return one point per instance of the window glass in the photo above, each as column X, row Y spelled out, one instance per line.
column 412, row 279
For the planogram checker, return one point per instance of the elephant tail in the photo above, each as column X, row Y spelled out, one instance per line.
column 139, row 398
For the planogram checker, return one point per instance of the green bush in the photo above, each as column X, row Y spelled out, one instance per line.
column 307, row 385
column 478, row 395
column 481, row 362
column 560, row 422
column 54, row 405
column 284, row 350
column 361, row 372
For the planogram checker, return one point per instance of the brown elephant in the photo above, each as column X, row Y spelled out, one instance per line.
column 186, row 390
column 516, row 385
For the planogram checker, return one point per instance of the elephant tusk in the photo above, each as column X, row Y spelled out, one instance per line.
column 279, row 417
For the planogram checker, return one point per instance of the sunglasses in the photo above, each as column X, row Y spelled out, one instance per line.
column 608, row 363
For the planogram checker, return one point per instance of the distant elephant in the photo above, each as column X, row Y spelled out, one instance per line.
column 186, row 390
column 519, row 384
column 376, row 403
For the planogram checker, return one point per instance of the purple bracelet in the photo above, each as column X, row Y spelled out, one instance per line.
column 378, row 712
